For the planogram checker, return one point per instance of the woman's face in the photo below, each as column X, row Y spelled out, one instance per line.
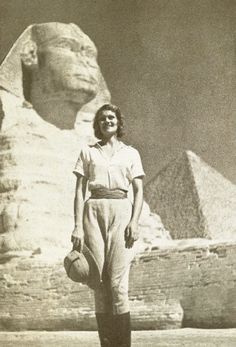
column 108, row 123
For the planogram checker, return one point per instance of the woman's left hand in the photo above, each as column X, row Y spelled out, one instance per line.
column 131, row 234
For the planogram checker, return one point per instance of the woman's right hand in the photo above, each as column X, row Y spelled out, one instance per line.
column 77, row 238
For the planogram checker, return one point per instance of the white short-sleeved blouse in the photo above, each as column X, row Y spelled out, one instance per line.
column 116, row 172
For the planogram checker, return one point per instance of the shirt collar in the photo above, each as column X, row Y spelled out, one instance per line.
column 120, row 145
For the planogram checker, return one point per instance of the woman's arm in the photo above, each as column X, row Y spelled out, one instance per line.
column 131, row 232
column 77, row 237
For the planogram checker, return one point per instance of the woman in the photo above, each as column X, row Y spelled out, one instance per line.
column 107, row 222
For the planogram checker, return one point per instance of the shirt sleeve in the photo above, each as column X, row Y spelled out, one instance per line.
column 82, row 164
column 136, row 166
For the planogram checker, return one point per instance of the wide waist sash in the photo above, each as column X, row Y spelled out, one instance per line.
column 105, row 193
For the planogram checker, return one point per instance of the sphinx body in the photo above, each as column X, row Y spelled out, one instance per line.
column 51, row 86
column 50, row 89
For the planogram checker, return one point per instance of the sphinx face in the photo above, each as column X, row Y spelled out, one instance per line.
column 67, row 68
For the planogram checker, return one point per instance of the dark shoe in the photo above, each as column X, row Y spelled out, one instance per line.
column 121, row 330
column 104, row 322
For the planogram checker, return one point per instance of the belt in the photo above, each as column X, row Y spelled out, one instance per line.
column 104, row 193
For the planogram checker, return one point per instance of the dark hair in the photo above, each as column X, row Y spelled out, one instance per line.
column 119, row 116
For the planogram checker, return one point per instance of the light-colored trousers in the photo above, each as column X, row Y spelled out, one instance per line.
column 105, row 221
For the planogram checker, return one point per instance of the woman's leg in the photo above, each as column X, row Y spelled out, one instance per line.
column 119, row 290
column 112, row 312
column 121, row 312
column 119, row 259
column 95, row 231
column 103, row 312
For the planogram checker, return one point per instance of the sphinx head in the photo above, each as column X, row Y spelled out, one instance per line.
column 59, row 70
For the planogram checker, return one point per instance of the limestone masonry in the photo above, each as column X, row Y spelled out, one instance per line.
column 187, row 284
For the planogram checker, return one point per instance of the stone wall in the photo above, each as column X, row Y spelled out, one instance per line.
column 187, row 283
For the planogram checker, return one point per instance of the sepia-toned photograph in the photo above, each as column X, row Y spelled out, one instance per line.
column 118, row 173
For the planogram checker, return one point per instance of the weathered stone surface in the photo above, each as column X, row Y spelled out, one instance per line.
column 193, row 200
column 36, row 182
column 181, row 284
column 165, row 338
column 152, row 231
column 36, row 156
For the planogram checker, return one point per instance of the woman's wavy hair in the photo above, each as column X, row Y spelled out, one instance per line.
column 119, row 116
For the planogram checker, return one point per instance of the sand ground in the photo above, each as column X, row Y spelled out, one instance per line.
column 165, row 338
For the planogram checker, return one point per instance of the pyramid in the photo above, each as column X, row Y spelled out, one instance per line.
column 193, row 199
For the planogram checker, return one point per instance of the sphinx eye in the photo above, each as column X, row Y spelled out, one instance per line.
column 64, row 44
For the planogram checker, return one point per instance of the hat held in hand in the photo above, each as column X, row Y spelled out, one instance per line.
column 82, row 267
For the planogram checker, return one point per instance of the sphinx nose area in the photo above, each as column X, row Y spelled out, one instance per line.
column 81, row 59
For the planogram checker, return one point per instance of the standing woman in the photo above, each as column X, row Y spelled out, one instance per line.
column 108, row 222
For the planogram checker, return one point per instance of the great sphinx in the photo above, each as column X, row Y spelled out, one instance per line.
column 50, row 88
